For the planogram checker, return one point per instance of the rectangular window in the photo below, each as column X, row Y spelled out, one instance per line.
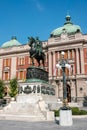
column 21, row 75
column 6, row 76
column 21, row 61
column 66, row 55
column 6, row 62
column 30, row 61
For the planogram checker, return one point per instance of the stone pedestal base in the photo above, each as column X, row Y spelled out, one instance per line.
column 29, row 107
column 65, row 118
column 30, row 98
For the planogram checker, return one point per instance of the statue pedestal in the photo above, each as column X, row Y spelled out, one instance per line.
column 32, row 98
column 65, row 118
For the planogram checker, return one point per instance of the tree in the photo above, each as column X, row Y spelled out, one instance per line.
column 13, row 87
column 1, row 89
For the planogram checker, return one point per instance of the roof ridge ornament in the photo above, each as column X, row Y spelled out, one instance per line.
column 13, row 38
column 68, row 19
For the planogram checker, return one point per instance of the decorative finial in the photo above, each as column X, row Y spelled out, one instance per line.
column 68, row 18
column 13, row 37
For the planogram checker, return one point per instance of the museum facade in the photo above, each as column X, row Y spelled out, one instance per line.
column 15, row 59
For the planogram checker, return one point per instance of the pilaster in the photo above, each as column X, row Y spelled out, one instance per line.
column 54, row 64
column 82, row 60
column 50, row 64
column 77, row 61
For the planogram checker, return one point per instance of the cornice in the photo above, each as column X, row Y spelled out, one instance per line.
column 14, row 50
column 67, row 42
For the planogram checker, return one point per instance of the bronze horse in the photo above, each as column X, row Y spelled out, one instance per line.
column 36, row 50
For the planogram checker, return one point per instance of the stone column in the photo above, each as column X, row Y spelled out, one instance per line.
column 73, row 69
column 50, row 64
column 46, row 57
column 57, row 62
column 54, row 64
column 72, row 54
column 68, row 54
column 13, row 67
column 77, row 61
column 82, row 60
column 58, row 55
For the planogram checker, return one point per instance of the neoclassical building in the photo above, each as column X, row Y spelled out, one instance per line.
column 14, row 60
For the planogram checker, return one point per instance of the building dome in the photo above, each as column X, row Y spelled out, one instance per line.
column 68, row 27
column 12, row 42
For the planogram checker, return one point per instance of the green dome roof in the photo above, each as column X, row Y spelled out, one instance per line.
column 68, row 27
column 12, row 42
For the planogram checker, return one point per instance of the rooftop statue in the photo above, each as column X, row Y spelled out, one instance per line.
column 36, row 50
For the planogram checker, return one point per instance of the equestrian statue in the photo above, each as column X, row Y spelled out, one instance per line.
column 36, row 50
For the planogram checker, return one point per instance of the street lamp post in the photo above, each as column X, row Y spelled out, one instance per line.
column 65, row 112
column 63, row 65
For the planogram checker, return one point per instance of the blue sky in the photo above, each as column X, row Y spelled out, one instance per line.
column 23, row 18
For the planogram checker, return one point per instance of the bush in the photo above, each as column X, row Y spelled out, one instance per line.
column 82, row 112
column 56, row 113
column 1, row 89
column 75, row 111
column 13, row 87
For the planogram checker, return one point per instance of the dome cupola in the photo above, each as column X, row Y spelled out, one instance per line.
column 12, row 42
column 68, row 27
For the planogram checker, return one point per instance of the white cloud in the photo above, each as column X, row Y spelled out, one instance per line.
column 39, row 6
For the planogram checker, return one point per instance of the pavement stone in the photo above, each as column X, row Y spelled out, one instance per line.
column 78, row 124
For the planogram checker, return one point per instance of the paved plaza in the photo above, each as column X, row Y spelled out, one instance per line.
column 78, row 124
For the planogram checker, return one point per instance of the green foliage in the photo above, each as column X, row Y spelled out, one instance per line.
column 13, row 87
column 83, row 112
column 75, row 111
column 1, row 89
column 56, row 113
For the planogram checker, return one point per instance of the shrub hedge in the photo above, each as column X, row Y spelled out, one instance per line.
column 75, row 111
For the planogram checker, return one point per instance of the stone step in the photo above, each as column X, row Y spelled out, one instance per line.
column 25, row 114
column 23, row 117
